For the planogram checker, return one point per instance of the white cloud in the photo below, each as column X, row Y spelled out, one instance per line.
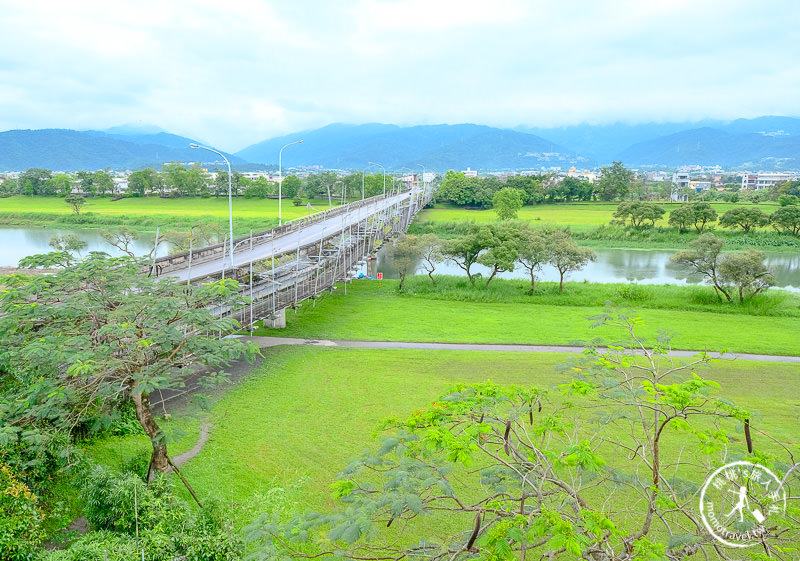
column 236, row 73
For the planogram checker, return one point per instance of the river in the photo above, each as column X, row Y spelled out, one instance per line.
column 612, row 265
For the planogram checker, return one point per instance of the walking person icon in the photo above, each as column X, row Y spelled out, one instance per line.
column 741, row 504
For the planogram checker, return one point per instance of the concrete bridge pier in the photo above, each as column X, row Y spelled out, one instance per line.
column 276, row 320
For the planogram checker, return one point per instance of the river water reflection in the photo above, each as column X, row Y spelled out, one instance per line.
column 618, row 265
column 612, row 265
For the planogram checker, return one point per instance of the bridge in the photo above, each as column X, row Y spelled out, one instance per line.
column 281, row 267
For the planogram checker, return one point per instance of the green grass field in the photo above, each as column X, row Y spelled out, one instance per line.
column 282, row 434
column 371, row 313
column 577, row 215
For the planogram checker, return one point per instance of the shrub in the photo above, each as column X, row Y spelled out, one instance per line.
column 20, row 517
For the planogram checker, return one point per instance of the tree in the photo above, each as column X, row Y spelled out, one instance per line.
column 615, row 182
column 787, row 219
column 502, row 249
column 465, row 249
column 703, row 214
column 566, row 255
column 431, row 253
column 577, row 189
column 457, row 189
column 122, row 239
column 639, row 212
column 745, row 218
column 291, row 186
column 100, row 335
column 533, row 251
column 36, row 181
column 76, row 202
column 520, row 472
column 103, row 182
column 405, row 253
column 62, row 183
column 697, row 214
column 704, row 257
column 746, row 272
column 68, row 243
column 506, row 202
column 145, row 181
column 681, row 218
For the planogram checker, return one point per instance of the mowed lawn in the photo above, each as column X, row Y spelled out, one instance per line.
column 368, row 312
column 578, row 215
column 281, row 436
column 149, row 206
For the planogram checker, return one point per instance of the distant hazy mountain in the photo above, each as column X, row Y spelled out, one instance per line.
column 69, row 150
column 439, row 147
column 707, row 146
column 688, row 143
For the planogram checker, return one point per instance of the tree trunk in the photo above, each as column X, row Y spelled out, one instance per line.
column 533, row 281
column 159, row 463
column 561, row 282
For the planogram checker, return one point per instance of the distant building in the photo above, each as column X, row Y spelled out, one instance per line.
column 758, row 181
column 470, row 173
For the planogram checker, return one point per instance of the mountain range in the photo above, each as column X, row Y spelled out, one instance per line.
column 764, row 143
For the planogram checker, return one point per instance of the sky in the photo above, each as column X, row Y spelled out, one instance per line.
column 234, row 73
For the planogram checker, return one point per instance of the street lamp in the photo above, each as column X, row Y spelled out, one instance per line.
column 280, row 179
column 230, row 196
column 384, row 175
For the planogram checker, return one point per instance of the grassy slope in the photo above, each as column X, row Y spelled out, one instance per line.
column 372, row 313
column 280, row 437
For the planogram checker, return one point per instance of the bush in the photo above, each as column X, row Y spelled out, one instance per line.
column 20, row 517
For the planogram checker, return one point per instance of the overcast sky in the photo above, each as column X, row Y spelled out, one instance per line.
column 232, row 73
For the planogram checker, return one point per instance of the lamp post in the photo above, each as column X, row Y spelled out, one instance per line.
column 423, row 180
column 230, row 196
column 384, row 175
column 280, row 179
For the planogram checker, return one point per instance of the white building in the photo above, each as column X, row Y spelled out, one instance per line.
column 758, row 181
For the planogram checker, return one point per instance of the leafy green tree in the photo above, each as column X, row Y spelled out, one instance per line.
column 745, row 218
column 67, row 242
column 681, row 218
column 76, row 202
column 532, row 186
column 787, row 219
column 316, row 185
column 37, row 181
column 502, row 248
column 577, row 189
column 457, row 188
column 259, row 189
column 103, row 182
column 697, row 214
column 62, row 184
column 746, row 272
column 506, row 203
column 533, row 248
column 100, row 335
column 615, row 182
column 291, row 186
column 520, row 472
column 639, row 212
column 465, row 249
column 786, row 200
column 86, row 182
column 221, row 183
column 121, row 238
column 704, row 257
column 567, row 256
column 145, row 181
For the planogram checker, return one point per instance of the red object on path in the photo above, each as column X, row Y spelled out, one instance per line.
column 380, row 276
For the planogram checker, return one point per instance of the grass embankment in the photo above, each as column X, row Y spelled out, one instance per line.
column 590, row 225
column 149, row 212
column 282, row 435
column 453, row 311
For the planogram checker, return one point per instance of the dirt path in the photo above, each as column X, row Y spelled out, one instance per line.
column 181, row 459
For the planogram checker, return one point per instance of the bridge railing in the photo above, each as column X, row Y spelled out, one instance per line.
column 212, row 252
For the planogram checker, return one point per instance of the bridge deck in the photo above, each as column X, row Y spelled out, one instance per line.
column 287, row 242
